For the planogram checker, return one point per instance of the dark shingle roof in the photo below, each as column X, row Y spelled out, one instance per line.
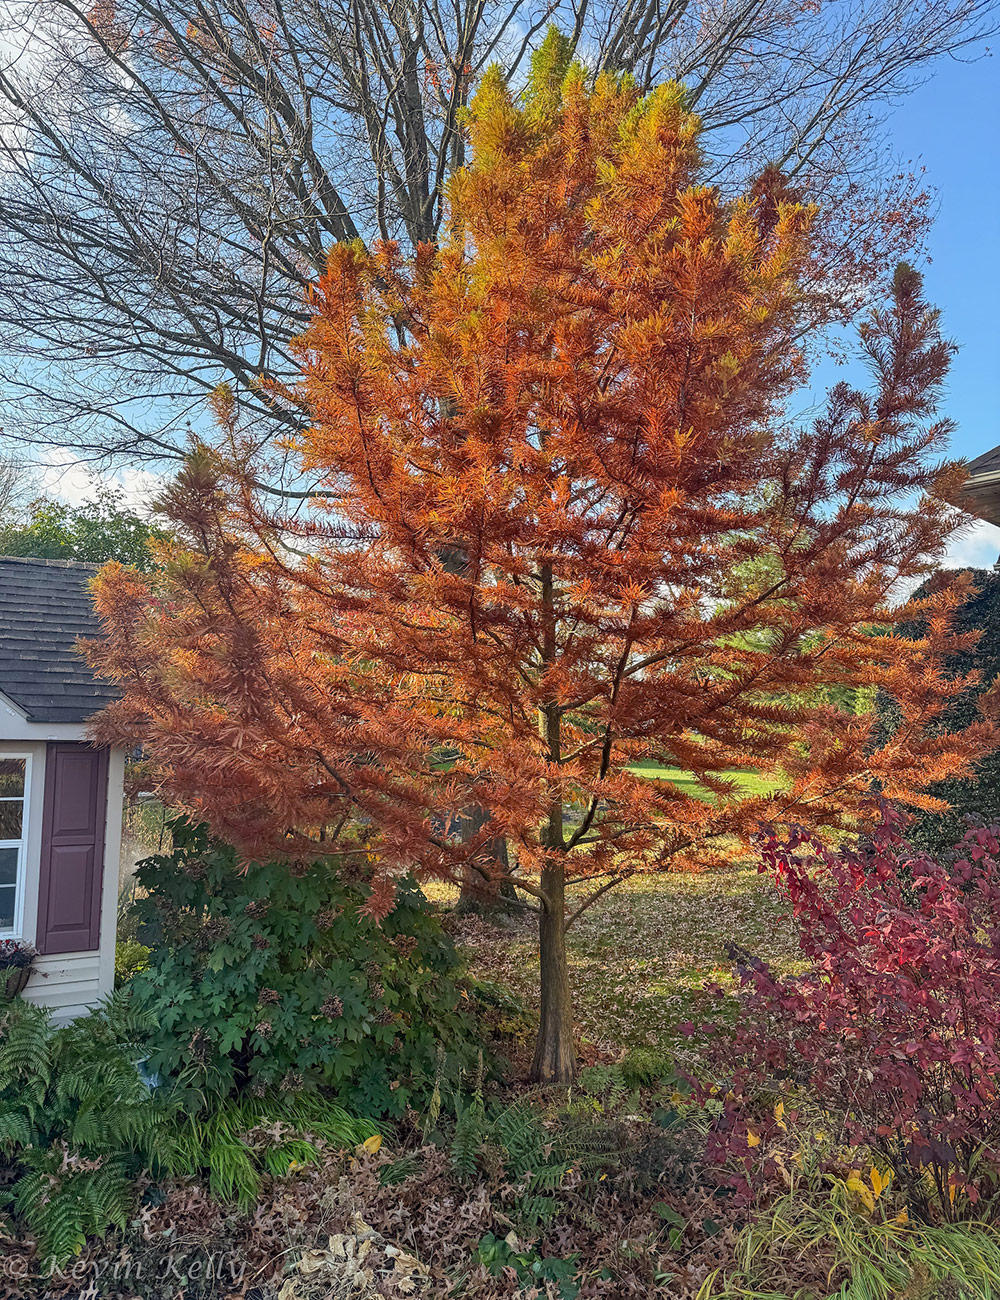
column 44, row 606
column 987, row 463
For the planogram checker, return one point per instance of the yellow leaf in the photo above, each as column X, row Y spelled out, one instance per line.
column 819, row 1137
column 373, row 1143
column 860, row 1189
column 952, row 1189
column 752, row 1139
column 779, row 1110
column 879, row 1181
column 902, row 1218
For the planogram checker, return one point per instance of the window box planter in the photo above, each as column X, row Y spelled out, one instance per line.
column 15, row 967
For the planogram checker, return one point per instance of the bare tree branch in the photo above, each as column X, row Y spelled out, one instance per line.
column 173, row 171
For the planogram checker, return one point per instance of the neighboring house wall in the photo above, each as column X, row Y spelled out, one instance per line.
column 68, row 982
column 68, row 858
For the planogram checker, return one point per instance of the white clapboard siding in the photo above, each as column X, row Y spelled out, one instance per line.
column 47, row 695
column 68, row 983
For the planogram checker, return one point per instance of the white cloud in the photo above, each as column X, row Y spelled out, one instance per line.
column 975, row 547
column 62, row 475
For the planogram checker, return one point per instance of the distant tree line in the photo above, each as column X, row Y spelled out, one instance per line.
column 104, row 528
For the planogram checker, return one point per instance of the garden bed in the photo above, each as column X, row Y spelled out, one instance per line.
column 642, row 1180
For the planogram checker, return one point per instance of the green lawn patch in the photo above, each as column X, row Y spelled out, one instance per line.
column 749, row 783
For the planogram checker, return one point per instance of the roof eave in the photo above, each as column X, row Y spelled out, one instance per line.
column 980, row 496
column 9, row 705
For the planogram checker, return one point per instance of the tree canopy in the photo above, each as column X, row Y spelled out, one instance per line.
column 101, row 530
column 975, row 797
column 566, row 529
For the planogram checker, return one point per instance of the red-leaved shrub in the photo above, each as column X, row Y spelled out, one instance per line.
column 894, row 1025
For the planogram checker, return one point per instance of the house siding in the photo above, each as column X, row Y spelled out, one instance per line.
column 67, row 983
column 70, row 983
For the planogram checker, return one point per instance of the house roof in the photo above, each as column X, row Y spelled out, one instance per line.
column 45, row 605
column 987, row 463
column 980, row 493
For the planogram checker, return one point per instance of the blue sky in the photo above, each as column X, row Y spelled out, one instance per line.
column 950, row 125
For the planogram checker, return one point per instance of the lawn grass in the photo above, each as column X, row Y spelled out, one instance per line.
column 746, row 782
column 642, row 956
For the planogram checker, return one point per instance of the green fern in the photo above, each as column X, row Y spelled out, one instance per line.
column 466, row 1143
column 15, row 1131
column 65, row 1205
column 76, row 1125
column 25, row 1050
column 528, row 1155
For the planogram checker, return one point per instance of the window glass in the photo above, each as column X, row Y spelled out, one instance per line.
column 11, row 818
column 13, row 784
column 8, row 867
column 12, row 778
column 8, row 887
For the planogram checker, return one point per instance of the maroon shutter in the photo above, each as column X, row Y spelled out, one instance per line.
column 72, row 861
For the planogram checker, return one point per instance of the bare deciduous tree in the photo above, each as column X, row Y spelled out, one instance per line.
column 172, row 171
column 14, row 487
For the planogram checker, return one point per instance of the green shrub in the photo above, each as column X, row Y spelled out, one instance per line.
column 131, row 957
column 272, row 977
column 77, row 1124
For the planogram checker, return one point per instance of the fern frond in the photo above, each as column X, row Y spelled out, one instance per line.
column 15, row 1130
column 467, row 1142
column 25, row 1050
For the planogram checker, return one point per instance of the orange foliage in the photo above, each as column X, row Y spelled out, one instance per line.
column 563, row 526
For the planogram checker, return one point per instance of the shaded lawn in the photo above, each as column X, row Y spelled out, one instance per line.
column 643, row 955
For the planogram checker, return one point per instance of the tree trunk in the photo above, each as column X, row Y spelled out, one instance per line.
column 555, row 1058
column 479, row 894
column 555, row 1061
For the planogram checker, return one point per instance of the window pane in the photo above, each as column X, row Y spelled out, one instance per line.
column 8, row 866
column 10, row 819
column 11, row 778
column 6, row 907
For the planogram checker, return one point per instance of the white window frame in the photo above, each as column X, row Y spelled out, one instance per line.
column 17, row 929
